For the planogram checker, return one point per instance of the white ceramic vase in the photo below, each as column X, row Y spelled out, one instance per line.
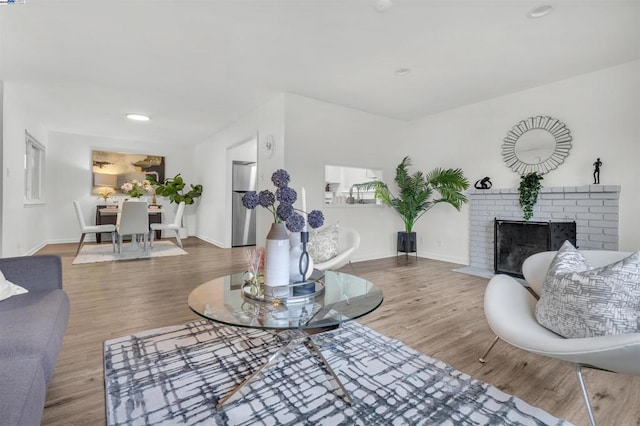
column 276, row 266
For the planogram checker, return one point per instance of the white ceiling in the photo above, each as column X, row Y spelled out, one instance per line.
column 196, row 66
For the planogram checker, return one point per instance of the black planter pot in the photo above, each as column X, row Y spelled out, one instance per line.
column 407, row 242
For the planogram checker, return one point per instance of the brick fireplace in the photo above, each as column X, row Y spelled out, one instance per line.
column 594, row 208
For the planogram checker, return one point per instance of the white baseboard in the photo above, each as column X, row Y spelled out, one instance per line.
column 35, row 249
column 71, row 240
column 444, row 258
column 210, row 241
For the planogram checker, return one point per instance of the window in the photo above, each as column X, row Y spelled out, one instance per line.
column 339, row 183
column 33, row 169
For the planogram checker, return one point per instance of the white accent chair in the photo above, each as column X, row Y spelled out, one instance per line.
column 175, row 226
column 92, row 229
column 134, row 221
column 510, row 311
column 348, row 243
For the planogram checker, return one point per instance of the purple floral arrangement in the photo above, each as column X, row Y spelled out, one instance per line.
column 286, row 196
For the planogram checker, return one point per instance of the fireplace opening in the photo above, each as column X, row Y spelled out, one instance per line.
column 515, row 240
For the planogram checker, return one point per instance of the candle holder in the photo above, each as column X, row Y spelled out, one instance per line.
column 303, row 263
column 303, row 267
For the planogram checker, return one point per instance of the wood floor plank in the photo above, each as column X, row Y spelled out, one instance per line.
column 427, row 306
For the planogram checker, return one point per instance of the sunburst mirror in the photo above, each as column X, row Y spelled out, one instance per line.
column 537, row 144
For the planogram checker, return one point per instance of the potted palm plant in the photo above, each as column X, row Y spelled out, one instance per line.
column 417, row 195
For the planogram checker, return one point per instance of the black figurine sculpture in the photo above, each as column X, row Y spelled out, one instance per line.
column 483, row 183
column 596, row 171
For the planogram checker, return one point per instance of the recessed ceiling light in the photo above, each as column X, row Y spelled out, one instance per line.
column 540, row 11
column 138, row 117
column 382, row 5
column 403, row 71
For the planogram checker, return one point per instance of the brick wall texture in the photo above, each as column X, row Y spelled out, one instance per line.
column 594, row 208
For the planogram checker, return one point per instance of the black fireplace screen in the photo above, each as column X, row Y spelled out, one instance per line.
column 516, row 240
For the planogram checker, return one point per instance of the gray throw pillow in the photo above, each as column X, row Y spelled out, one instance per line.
column 580, row 302
column 323, row 244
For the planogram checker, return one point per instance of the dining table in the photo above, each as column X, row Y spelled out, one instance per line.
column 107, row 215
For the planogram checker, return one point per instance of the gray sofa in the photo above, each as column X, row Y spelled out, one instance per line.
column 31, row 329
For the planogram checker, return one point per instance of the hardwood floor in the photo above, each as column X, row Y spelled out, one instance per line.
column 426, row 306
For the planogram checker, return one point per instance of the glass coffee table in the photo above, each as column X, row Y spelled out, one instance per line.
column 334, row 298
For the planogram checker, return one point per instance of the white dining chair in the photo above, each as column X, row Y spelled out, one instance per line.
column 175, row 226
column 92, row 229
column 134, row 221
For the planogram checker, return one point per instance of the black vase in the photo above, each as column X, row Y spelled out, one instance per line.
column 407, row 242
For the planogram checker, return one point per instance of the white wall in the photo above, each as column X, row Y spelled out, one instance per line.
column 602, row 110
column 23, row 226
column 69, row 177
column 213, row 165
column 320, row 133
column 315, row 134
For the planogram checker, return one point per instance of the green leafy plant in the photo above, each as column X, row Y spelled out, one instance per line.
column 417, row 191
column 529, row 188
column 175, row 189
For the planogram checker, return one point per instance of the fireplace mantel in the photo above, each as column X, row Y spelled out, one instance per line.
column 594, row 208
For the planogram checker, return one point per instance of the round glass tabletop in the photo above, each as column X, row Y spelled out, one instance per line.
column 338, row 298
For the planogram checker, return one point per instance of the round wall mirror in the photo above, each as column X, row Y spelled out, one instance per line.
column 537, row 144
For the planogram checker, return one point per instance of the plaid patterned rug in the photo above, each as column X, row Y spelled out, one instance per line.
column 176, row 375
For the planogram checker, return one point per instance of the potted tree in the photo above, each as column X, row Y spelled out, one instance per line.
column 175, row 189
column 417, row 196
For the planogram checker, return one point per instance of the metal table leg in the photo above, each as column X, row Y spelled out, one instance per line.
column 273, row 360
column 315, row 351
column 293, row 340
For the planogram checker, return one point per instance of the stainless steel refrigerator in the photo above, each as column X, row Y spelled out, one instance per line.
column 243, row 224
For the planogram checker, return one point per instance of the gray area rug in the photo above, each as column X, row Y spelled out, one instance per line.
column 176, row 375
column 94, row 253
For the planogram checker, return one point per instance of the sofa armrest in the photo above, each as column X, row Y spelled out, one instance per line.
column 33, row 272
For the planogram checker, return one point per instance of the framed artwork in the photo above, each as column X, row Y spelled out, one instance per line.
column 110, row 170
